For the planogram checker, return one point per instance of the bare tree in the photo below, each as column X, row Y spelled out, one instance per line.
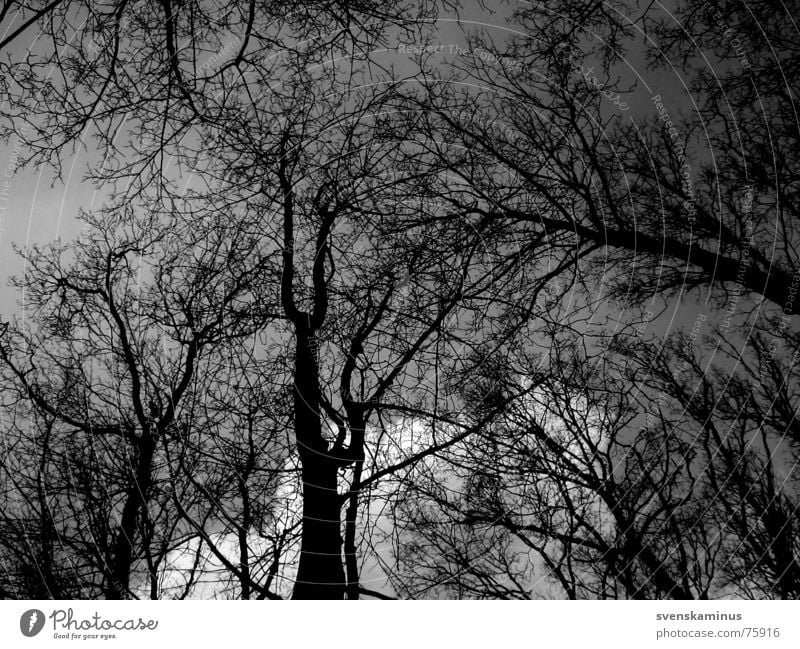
column 121, row 334
column 643, row 474
column 324, row 309
column 542, row 139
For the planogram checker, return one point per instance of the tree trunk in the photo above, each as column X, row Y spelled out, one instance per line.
column 244, row 528
column 320, row 573
column 118, row 585
column 355, row 418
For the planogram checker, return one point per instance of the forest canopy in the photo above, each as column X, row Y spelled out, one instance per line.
column 417, row 300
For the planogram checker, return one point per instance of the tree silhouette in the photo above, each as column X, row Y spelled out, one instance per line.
column 332, row 305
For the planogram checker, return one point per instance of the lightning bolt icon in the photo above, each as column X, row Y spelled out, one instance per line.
column 32, row 621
